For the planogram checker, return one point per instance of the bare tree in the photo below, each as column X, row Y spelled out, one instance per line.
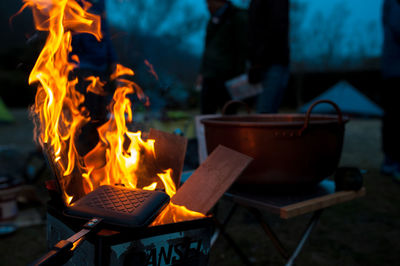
column 172, row 19
column 326, row 36
column 297, row 38
column 157, row 31
column 329, row 40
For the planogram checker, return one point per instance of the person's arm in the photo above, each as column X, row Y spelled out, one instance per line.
column 268, row 36
column 241, row 40
column 202, row 63
column 257, row 14
column 269, row 24
column 391, row 18
column 385, row 12
column 257, row 28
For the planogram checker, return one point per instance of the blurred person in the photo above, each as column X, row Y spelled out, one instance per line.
column 224, row 54
column 269, row 51
column 391, row 88
column 96, row 58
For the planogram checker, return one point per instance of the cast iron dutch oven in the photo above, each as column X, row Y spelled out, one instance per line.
column 288, row 149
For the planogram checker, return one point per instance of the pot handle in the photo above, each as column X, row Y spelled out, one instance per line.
column 229, row 103
column 308, row 114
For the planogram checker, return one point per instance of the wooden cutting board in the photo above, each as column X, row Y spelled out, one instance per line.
column 170, row 152
column 211, row 180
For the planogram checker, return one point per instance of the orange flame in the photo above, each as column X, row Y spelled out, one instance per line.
column 174, row 214
column 95, row 86
column 120, row 157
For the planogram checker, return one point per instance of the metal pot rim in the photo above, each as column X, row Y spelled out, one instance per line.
column 271, row 120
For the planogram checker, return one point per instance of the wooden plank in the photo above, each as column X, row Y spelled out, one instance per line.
column 71, row 184
column 170, row 150
column 211, row 180
column 320, row 203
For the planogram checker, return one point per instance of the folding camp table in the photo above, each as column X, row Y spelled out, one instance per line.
column 285, row 206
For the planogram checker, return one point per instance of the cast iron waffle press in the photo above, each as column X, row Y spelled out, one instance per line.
column 120, row 206
column 107, row 205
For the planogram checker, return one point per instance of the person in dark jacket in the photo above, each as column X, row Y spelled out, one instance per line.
column 224, row 55
column 391, row 88
column 269, row 51
column 96, row 58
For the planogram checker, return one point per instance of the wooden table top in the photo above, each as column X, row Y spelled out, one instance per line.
column 293, row 203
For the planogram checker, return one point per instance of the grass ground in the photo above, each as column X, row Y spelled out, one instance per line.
column 365, row 231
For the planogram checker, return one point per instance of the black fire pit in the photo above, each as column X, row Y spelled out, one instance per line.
column 183, row 243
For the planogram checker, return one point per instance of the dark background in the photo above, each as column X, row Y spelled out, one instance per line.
column 176, row 63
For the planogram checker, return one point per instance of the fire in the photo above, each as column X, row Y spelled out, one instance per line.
column 121, row 157
column 175, row 213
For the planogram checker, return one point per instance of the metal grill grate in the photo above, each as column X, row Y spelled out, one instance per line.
column 117, row 199
column 120, row 206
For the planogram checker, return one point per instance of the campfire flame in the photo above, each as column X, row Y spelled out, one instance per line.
column 121, row 157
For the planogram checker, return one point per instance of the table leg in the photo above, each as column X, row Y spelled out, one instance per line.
column 275, row 240
column 220, row 230
column 267, row 229
column 233, row 244
column 224, row 224
column 270, row 233
column 313, row 222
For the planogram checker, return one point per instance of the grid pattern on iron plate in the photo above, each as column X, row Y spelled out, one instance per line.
column 120, row 200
